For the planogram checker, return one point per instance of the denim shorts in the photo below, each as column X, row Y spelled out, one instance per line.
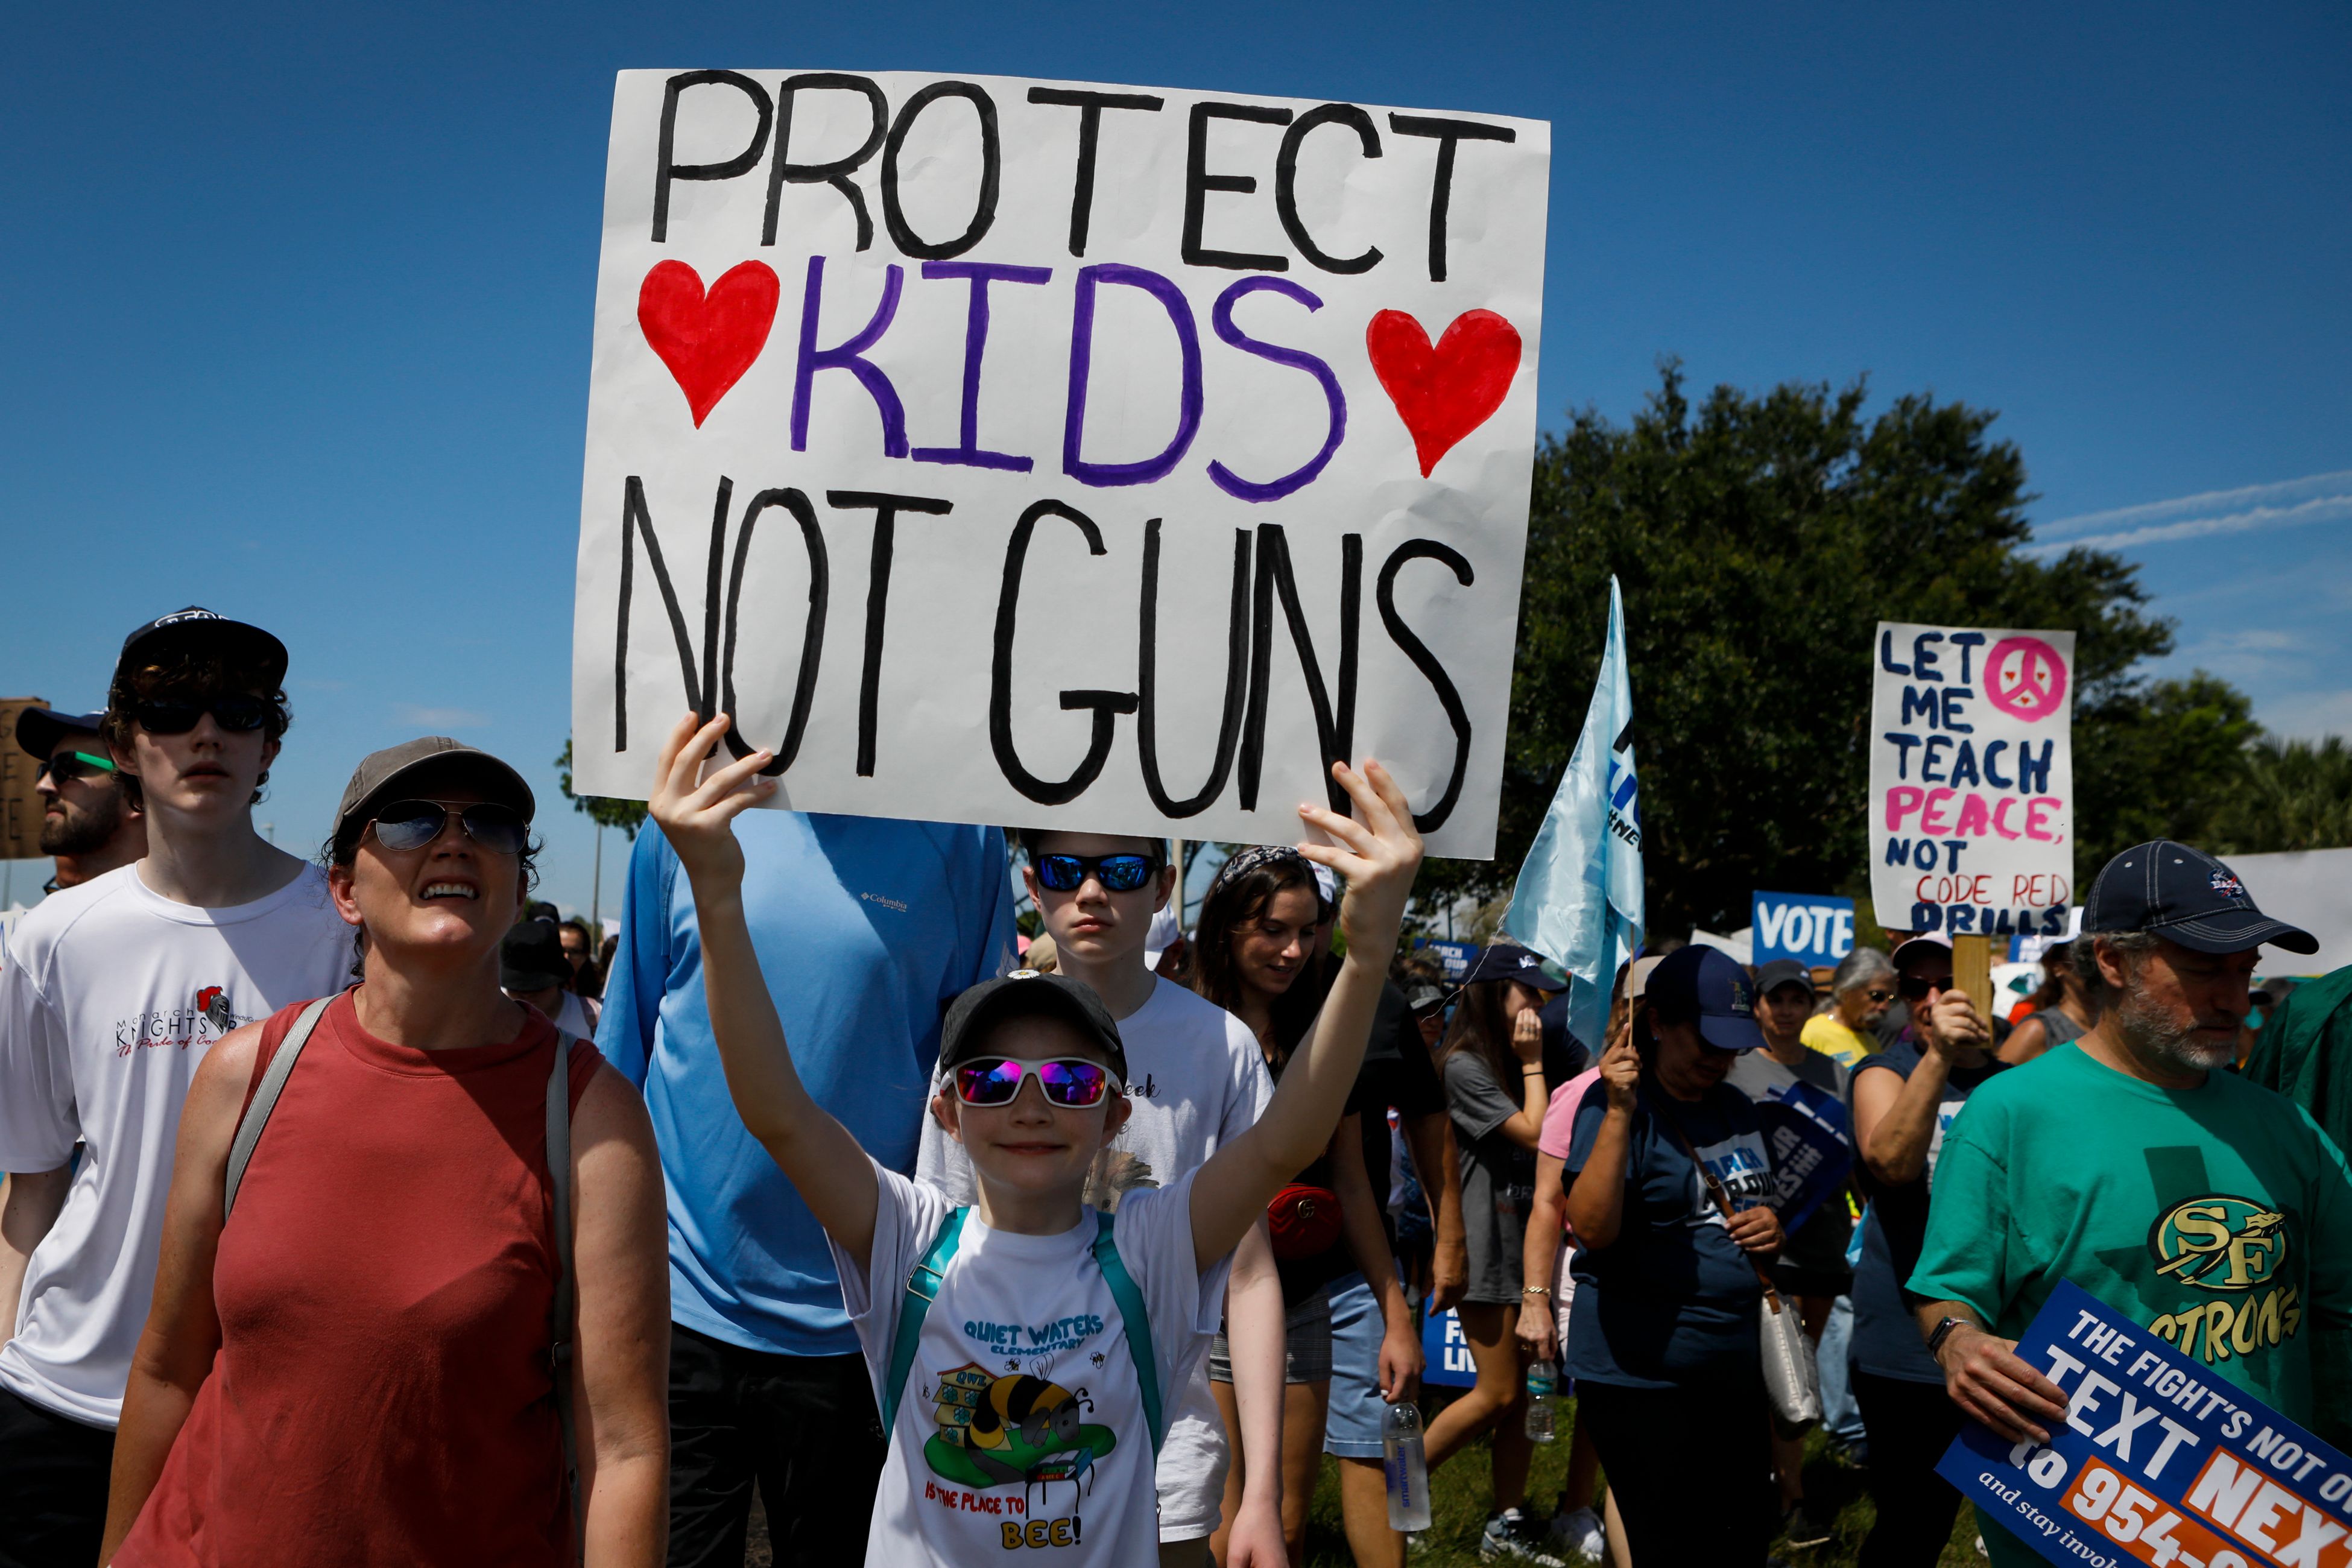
column 1352, row 1429
column 1306, row 1344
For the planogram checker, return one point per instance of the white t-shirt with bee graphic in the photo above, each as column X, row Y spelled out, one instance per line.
column 1020, row 1434
column 111, row 996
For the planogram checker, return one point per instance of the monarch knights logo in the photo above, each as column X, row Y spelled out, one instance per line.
column 212, row 1003
column 2219, row 1243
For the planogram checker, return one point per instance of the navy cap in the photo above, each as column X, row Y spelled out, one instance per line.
column 530, row 957
column 1025, row 993
column 2186, row 896
column 1783, row 972
column 38, row 730
column 1509, row 961
column 196, row 624
column 1702, row 985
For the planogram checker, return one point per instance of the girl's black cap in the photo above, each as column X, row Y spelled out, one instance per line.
column 1025, row 993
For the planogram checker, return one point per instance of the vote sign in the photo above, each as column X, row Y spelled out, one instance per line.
column 1971, row 779
column 2158, row 1460
column 1811, row 928
column 999, row 450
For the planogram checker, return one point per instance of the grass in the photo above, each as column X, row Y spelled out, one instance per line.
column 1459, row 1495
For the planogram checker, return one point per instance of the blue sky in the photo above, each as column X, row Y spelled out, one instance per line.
column 294, row 301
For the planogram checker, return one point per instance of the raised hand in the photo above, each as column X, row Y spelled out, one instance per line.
column 1526, row 1037
column 1620, row 1073
column 696, row 815
column 1377, row 855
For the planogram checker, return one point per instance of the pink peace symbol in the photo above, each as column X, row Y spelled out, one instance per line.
column 2025, row 679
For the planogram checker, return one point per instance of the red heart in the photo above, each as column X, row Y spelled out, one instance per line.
column 707, row 340
column 1444, row 392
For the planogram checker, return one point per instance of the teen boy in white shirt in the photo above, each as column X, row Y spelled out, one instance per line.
column 1021, row 1399
column 114, row 993
column 1195, row 1080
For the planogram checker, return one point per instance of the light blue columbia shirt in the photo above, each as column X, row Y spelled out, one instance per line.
column 866, row 928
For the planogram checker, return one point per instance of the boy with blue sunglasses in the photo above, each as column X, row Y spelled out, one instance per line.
column 1020, row 1347
column 1195, row 1081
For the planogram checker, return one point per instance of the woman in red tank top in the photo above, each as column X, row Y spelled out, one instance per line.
column 356, row 1367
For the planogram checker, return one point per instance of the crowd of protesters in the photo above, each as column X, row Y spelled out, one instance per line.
column 549, row 1249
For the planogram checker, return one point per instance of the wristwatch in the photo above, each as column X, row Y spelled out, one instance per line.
column 1942, row 1332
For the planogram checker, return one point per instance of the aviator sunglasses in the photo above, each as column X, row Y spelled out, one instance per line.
column 412, row 823
column 177, row 715
column 1117, row 873
column 68, row 766
column 1072, row 1082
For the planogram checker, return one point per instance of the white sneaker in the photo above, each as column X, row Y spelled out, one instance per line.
column 1512, row 1535
column 1578, row 1534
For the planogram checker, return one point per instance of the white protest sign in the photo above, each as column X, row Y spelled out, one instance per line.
column 1038, row 453
column 1971, row 779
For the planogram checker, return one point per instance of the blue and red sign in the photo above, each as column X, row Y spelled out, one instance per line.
column 2158, row 1462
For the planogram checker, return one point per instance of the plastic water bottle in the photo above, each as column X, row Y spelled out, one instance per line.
column 1405, row 1468
column 1543, row 1413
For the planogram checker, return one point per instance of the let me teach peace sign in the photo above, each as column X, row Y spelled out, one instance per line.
column 2025, row 679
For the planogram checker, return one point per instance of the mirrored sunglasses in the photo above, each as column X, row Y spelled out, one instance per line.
column 1073, row 1082
column 1117, row 873
column 412, row 823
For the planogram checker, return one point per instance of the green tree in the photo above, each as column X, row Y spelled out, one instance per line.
column 1759, row 539
column 628, row 815
column 2297, row 794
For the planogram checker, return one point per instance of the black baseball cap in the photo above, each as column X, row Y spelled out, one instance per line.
column 2186, row 896
column 1783, row 972
column 38, row 730
column 531, row 957
column 1024, row 993
column 1509, row 961
column 1709, row 987
column 396, row 772
column 196, row 624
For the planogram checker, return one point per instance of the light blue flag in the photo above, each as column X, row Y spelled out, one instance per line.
column 1579, row 898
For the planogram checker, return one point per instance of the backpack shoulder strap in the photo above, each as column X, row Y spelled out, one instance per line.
column 265, row 1100
column 1129, row 1300
column 559, row 1185
column 922, row 1288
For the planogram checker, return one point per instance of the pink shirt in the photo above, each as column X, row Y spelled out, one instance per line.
column 1559, row 1124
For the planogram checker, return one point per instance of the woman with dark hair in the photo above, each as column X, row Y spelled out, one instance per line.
column 379, row 1360
column 2062, row 1010
column 1496, row 1088
column 1256, row 951
column 1669, row 1182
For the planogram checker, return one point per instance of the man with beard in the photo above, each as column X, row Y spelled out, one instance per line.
column 88, row 820
column 2131, row 1162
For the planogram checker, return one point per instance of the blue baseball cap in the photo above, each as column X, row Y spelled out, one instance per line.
column 1702, row 985
column 38, row 730
column 1509, row 961
column 2186, row 896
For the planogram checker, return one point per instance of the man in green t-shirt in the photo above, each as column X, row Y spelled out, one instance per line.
column 2212, row 1211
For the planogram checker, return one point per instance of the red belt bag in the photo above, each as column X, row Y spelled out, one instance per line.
column 1304, row 1220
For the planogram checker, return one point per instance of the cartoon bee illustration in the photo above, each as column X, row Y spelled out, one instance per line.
column 1017, row 1430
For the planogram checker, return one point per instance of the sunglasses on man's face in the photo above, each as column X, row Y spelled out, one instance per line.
column 1117, row 873
column 1916, row 986
column 68, row 766
column 1876, row 995
column 414, row 823
column 1072, row 1082
column 177, row 715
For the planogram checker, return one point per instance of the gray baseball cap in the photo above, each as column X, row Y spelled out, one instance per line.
column 397, row 771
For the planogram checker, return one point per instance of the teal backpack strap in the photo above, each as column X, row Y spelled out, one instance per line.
column 922, row 1286
column 1129, row 1300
